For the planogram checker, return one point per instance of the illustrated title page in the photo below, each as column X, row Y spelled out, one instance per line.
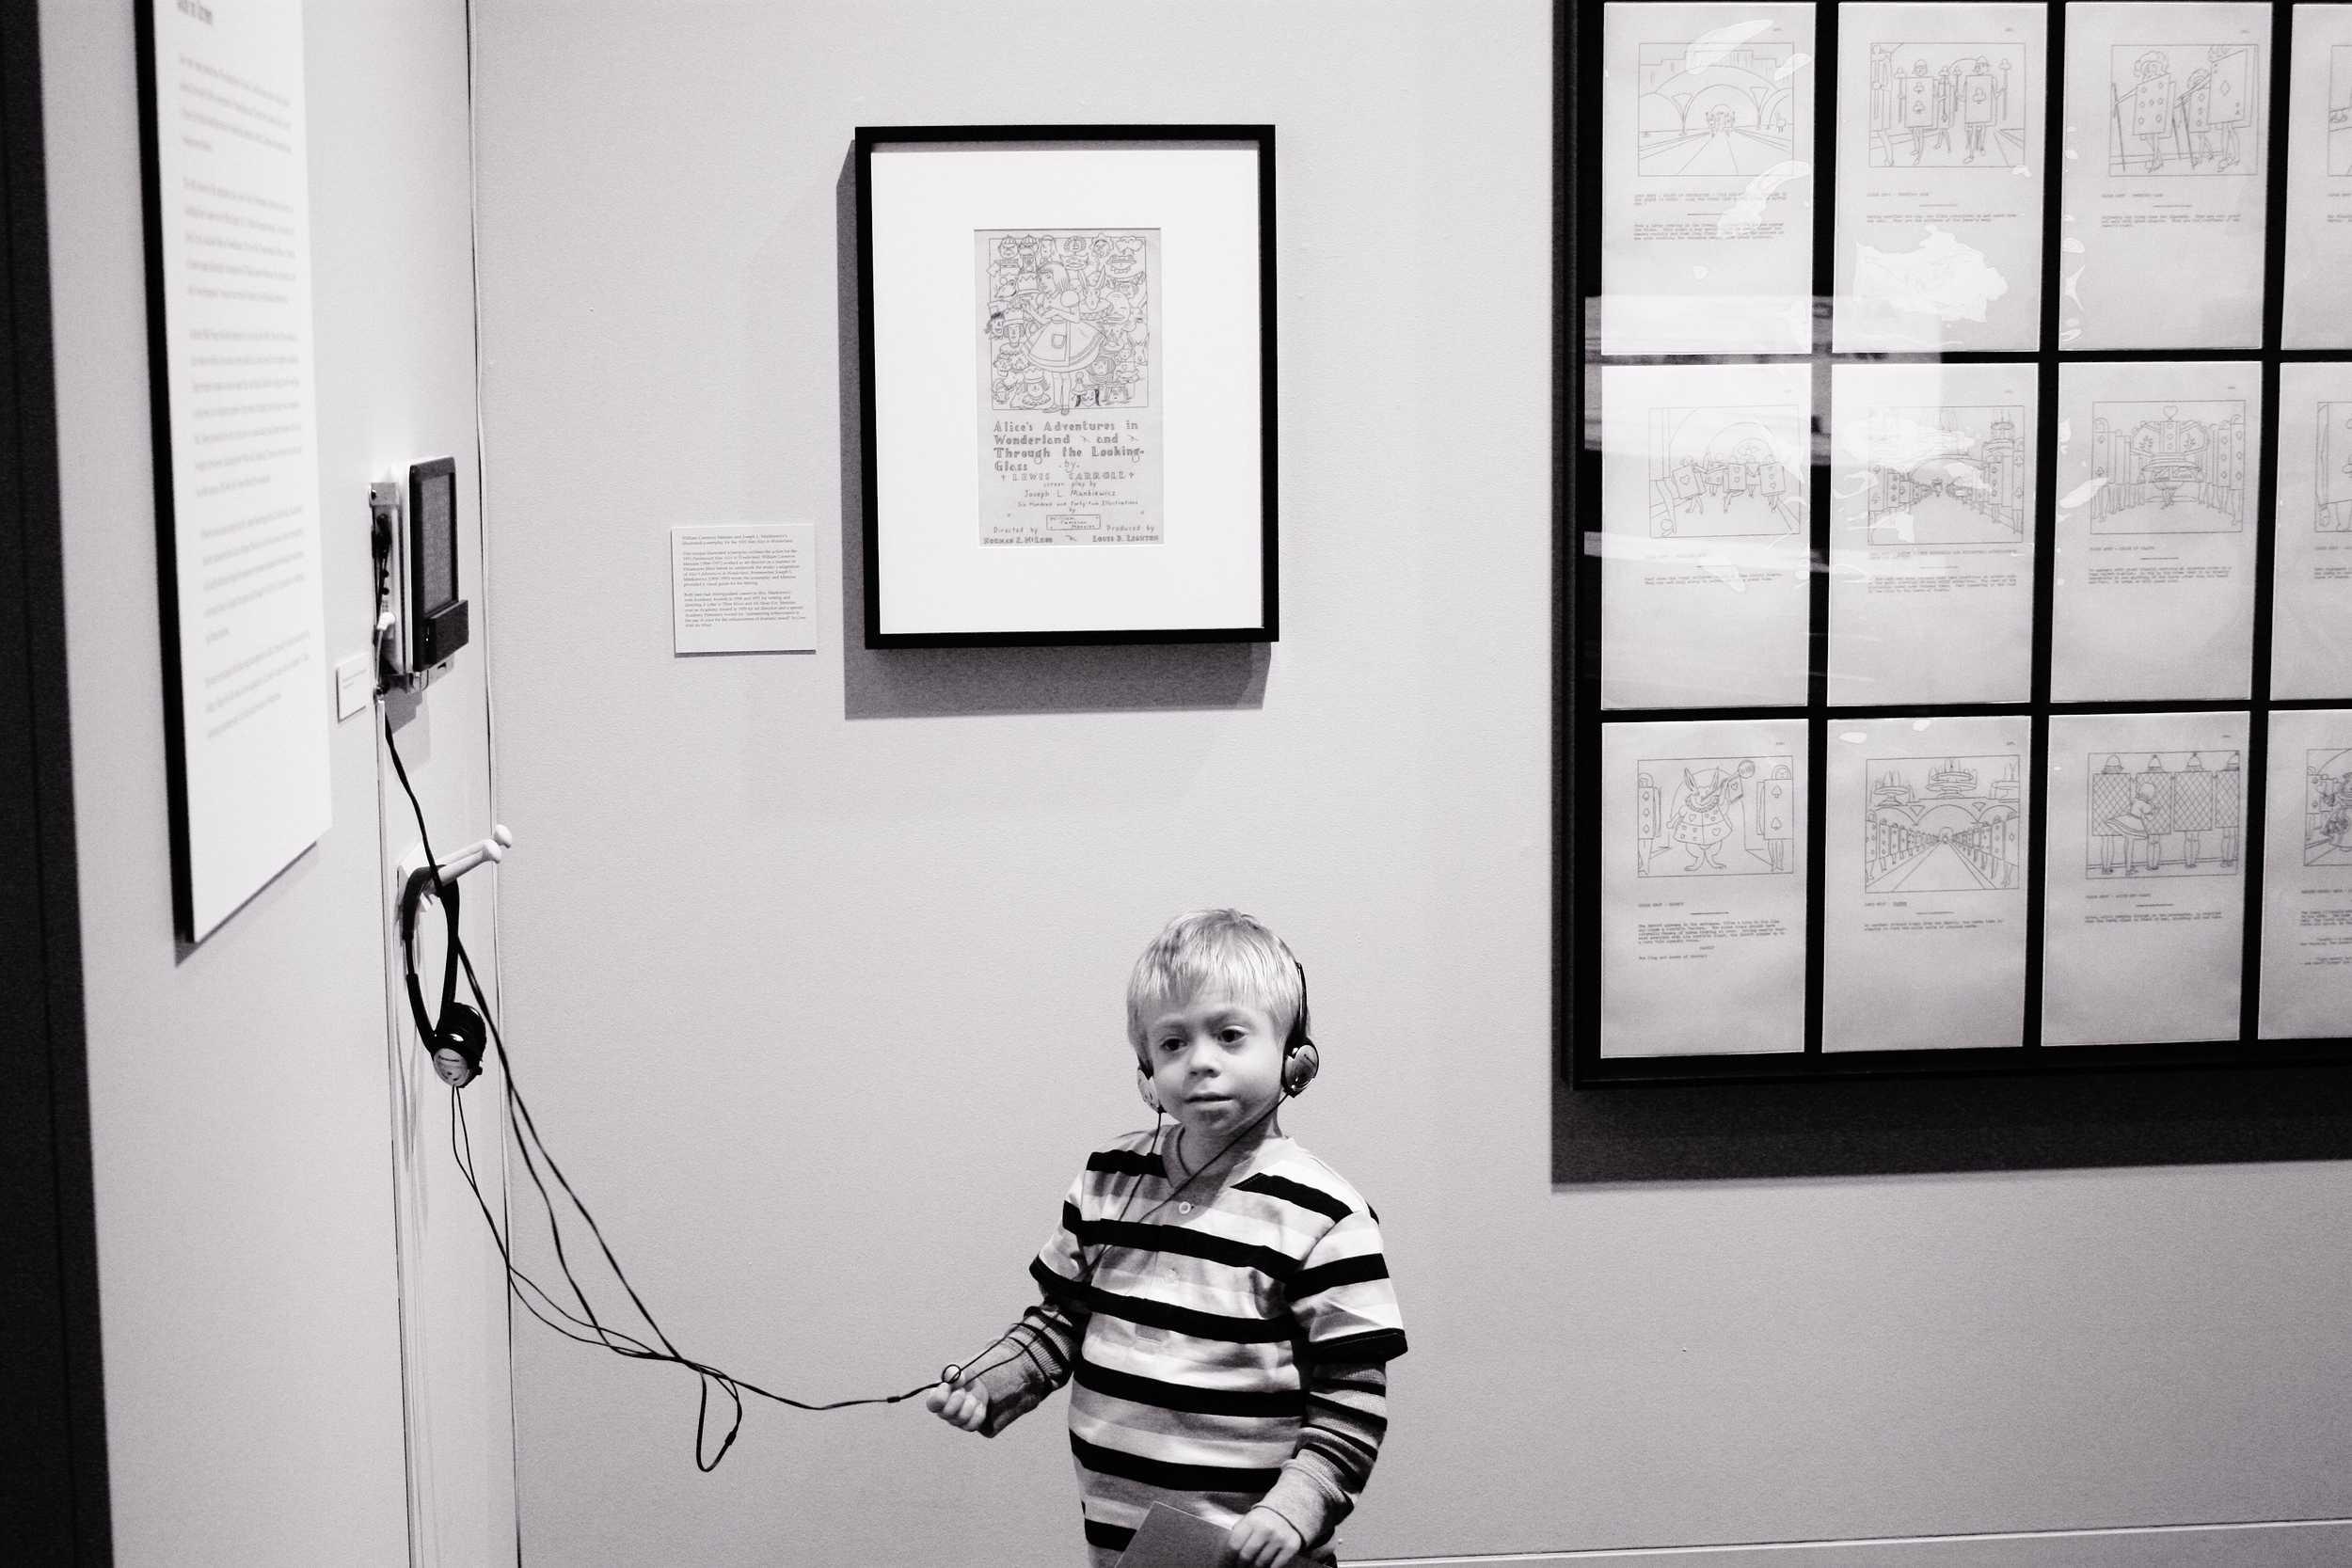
column 1068, row 348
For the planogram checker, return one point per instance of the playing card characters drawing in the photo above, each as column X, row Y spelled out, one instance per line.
column 2182, row 109
column 1724, row 472
column 1067, row 336
column 1950, row 105
column 2164, row 814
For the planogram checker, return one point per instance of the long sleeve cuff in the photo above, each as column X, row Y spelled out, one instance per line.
column 1013, row 1388
column 1309, row 1497
column 1034, row 1361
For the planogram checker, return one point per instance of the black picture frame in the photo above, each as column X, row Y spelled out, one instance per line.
column 1242, row 616
column 1577, row 647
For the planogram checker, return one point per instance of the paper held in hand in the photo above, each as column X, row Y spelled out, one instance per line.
column 1171, row 1538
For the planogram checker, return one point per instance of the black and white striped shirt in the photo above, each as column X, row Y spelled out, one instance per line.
column 1229, row 1349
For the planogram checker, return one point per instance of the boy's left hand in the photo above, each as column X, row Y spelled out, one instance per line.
column 1264, row 1539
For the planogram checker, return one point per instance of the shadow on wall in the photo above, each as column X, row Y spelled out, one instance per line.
column 1913, row 1126
column 903, row 683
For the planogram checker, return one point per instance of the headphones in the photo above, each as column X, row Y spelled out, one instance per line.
column 1301, row 1061
column 456, row 1038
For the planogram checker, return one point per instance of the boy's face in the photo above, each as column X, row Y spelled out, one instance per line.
column 1215, row 1062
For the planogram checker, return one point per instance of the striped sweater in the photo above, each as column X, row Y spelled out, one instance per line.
column 1229, row 1349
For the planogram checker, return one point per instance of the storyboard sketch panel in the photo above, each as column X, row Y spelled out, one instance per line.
column 2318, row 240
column 1924, row 900
column 2311, row 630
column 1703, row 888
column 2145, row 890
column 1939, row 177
column 1707, row 178
column 2164, row 199
column 2306, row 876
column 1932, row 538
column 2155, row 536
column 1705, row 565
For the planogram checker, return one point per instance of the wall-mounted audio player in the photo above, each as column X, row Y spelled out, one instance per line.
column 421, row 621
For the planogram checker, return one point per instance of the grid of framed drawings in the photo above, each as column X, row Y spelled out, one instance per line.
column 1959, row 666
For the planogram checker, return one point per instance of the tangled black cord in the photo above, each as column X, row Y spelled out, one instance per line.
column 519, row 1118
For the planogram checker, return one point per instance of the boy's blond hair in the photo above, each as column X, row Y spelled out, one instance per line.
column 1221, row 948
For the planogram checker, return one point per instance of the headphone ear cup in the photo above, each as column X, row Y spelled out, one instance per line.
column 1299, row 1069
column 461, row 1030
column 1143, row 1087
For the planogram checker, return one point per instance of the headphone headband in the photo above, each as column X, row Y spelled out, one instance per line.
column 459, row 1028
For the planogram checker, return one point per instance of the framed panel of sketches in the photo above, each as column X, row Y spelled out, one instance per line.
column 1953, row 674
column 1066, row 357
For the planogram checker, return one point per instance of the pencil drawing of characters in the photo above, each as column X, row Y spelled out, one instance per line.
column 2327, row 808
column 1698, row 823
column 2181, row 109
column 2178, row 813
column 1725, row 472
column 1715, row 815
column 1066, row 329
column 1065, row 323
column 1947, row 475
column 1947, row 105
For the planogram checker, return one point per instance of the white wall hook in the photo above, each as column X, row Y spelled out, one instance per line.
column 491, row 849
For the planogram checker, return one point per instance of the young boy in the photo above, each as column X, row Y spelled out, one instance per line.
column 1217, row 1293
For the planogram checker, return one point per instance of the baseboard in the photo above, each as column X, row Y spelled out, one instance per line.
column 2276, row 1543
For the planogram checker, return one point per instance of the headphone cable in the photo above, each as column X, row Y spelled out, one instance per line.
column 518, row 1117
column 525, row 1130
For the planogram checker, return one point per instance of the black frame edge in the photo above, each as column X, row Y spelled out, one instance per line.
column 1577, row 718
column 868, row 137
column 159, row 415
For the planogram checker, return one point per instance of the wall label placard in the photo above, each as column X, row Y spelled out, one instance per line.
column 248, row 692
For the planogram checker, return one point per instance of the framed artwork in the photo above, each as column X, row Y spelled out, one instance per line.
column 1066, row 358
column 1954, row 676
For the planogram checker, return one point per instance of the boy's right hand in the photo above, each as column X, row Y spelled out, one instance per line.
column 956, row 1403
